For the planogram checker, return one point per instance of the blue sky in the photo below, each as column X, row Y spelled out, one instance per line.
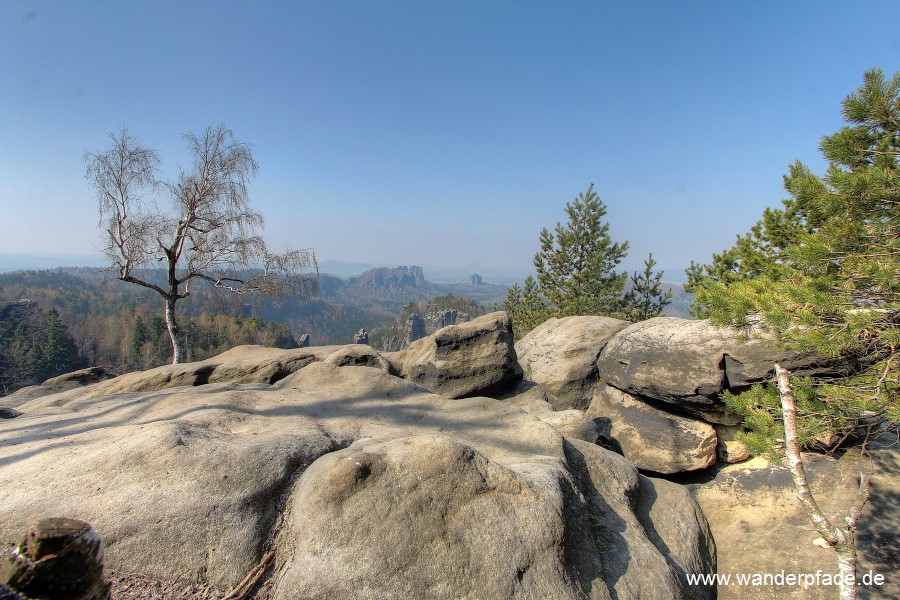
column 438, row 133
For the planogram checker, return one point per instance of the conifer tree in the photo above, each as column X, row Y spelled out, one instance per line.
column 823, row 274
column 56, row 353
column 138, row 337
column 576, row 264
column 646, row 298
column 575, row 269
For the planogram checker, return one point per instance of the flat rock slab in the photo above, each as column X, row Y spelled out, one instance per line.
column 760, row 528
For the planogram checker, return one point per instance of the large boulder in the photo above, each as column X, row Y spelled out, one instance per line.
column 561, row 355
column 653, row 439
column 364, row 484
column 689, row 363
column 468, row 359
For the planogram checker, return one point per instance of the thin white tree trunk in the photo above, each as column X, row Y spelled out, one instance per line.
column 174, row 332
column 841, row 538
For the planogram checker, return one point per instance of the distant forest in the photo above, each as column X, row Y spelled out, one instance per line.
column 79, row 317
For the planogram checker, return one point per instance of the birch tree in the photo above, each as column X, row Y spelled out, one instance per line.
column 210, row 234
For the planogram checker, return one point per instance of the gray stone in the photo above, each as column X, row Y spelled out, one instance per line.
column 360, row 356
column 469, row 359
column 367, row 485
column 561, row 356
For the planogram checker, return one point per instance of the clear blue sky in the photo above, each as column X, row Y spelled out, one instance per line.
column 438, row 133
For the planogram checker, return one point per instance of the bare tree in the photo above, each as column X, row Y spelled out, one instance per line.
column 210, row 236
column 840, row 537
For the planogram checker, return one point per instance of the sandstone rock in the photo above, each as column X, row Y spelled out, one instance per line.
column 9, row 413
column 628, row 506
column 81, row 377
column 414, row 330
column 242, row 364
column 61, row 383
column 570, row 423
column 729, row 449
column 58, row 558
column 561, row 354
column 760, row 527
column 472, row 358
column 450, row 497
column 360, row 356
column 689, row 363
column 653, row 439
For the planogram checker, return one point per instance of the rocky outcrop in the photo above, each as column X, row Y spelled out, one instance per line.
column 561, row 355
column 653, row 439
column 390, row 278
column 358, row 355
column 570, row 423
column 303, row 342
column 364, row 485
column 414, row 330
column 473, row 358
column 689, row 363
column 361, row 337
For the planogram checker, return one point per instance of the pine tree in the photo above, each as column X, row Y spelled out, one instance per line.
column 823, row 274
column 576, row 264
column 646, row 298
column 56, row 353
column 575, row 269
column 138, row 338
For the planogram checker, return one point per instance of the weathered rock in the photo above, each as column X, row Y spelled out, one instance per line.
column 61, row 383
column 193, row 483
column 570, row 423
column 469, row 359
column 689, row 363
column 8, row 413
column 652, row 439
column 561, row 356
column 760, row 527
column 626, row 506
column 242, row 364
column 58, row 558
column 414, row 329
column 729, row 449
column 358, row 355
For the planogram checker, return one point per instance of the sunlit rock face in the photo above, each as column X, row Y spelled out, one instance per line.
column 365, row 484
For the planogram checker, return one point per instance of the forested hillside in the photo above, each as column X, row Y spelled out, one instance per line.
column 102, row 321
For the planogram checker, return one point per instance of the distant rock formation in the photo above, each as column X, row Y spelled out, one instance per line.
column 476, row 279
column 361, row 337
column 390, row 278
column 303, row 342
column 415, row 330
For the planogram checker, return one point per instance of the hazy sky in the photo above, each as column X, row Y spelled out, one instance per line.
column 443, row 133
